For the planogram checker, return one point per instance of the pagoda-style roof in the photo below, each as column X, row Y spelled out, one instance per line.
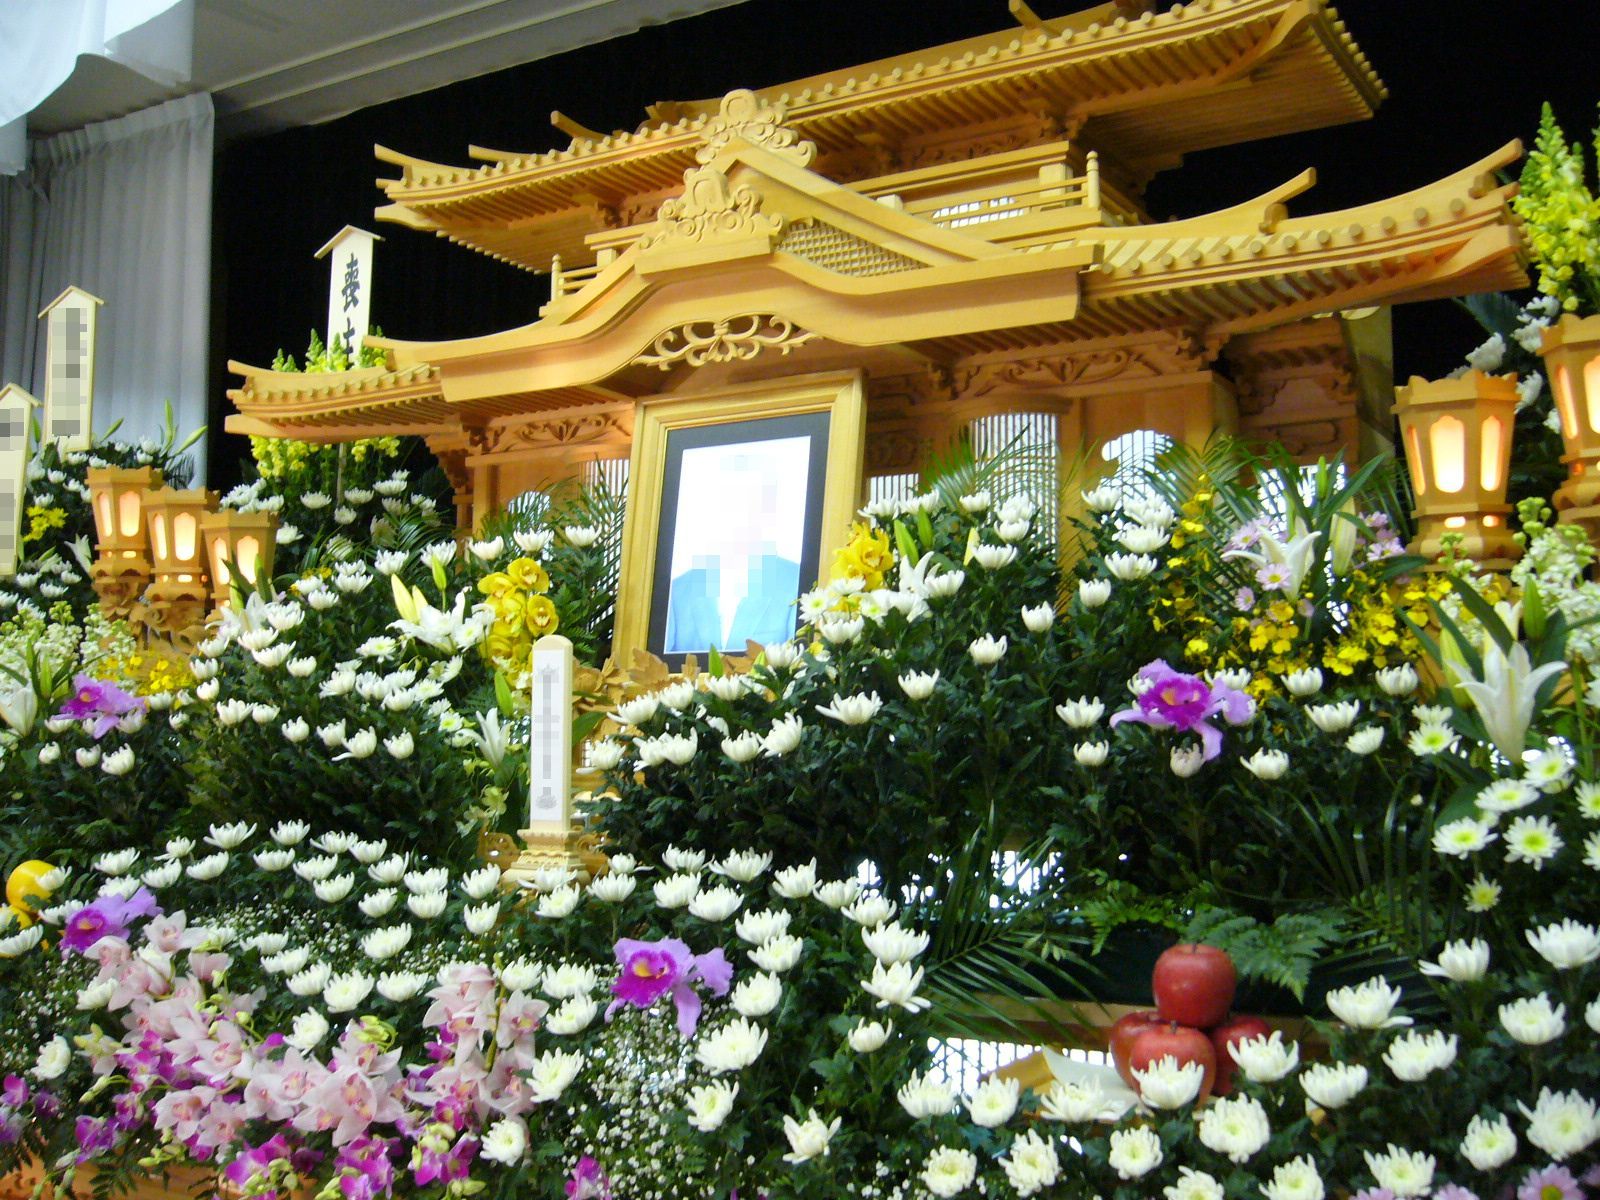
column 326, row 405
column 1142, row 91
column 760, row 254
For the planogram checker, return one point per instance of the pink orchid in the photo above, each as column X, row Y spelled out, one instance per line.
column 1186, row 703
column 651, row 970
column 520, row 1017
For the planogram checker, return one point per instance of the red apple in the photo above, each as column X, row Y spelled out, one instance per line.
column 1187, row 1045
column 1234, row 1029
column 1193, row 985
column 1120, row 1040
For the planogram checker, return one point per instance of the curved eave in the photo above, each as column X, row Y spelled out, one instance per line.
column 1256, row 67
column 1451, row 238
column 616, row 321
column 335, row 405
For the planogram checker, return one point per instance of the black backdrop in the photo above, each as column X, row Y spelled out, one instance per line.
column 1463, row 78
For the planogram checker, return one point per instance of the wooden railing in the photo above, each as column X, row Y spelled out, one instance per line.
column 564, row 281
column 1052, row 188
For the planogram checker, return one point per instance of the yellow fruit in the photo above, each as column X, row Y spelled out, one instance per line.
column 24, row 882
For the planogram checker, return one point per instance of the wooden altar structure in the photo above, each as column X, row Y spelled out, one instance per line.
column 963, row 226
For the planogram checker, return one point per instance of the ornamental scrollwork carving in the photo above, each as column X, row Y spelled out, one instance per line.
column 555, row 432
column 1091, row 366
column 745, row 115
column 711, row 206
column 735, row 339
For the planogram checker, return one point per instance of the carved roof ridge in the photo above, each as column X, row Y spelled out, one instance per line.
column 681, row 119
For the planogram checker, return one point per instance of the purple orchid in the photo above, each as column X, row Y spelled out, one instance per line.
column 255, row 1162
column 651, row 970
column 109, row 916
column 101, row 702
column 1186, row 703
column 14, row 1092
column 588, row 1181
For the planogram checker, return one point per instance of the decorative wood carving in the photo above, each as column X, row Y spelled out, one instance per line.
column 745, row 115
column 732, row 340
column 711, row 206
column 554, row 433
column 892, row 451
column 1089, row 366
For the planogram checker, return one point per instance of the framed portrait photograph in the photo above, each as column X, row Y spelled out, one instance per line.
column 737, row 497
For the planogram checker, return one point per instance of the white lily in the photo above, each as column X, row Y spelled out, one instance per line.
column 443, row 629
column 1293, row 555
column 1506, row 693
column 19, row 709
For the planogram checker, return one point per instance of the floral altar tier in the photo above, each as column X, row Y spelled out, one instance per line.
column 403, row 875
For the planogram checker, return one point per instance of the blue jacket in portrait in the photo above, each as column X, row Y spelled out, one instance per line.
column 766, row 613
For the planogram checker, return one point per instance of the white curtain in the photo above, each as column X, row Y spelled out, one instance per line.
column 123, row 210
column 42, row 40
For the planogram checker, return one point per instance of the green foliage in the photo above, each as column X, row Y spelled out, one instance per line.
column 1282, row 953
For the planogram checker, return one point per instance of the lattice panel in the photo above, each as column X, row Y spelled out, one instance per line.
column 832, row 249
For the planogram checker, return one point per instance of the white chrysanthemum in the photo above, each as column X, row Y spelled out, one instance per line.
column 869, row 1036
column 570, row 979
column 427, row 905
column 1081, row 713
column 709, row 1105
column 675, row 891
column 715, row 903
column 1489, row 1144
column 1460, row 961
column 1566, row 944
column 793, row 883
column 1265, row 1059
column 1295, row 1180
column 949, row 1171
column 896, row 984
column 550, row 1074
column 506, row 1142
column 1400, row 1171
column 1235, row 1126
column 1533, row 1020
column 1193, row 1185
column 808, row 1139
column 757, row 995
column 778, row 954
column 612, row 888
column 1134, row 1153
column 386, row 942
column 573, row 1015
column 922, row 1097
column 732, row 1047
column 994, row 1102
column 1366, row 1006
column 1032, row 1164
column 344, row 992
column 1364, row 741
column 1091, row 754
column 1166, row 1083
column 1267, row 765
column 1415, row 1055
column 118, row 863
column 1335, row 717
column 892, row 944
column 331, row 891
column 1562, row 1123
column 308, row 1031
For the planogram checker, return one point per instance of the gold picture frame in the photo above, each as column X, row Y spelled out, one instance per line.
column 839, row 397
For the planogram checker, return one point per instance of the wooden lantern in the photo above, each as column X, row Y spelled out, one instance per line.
column 177, row 598
column 1571, row 353
column 239, row 549
column 1457, row 437
column 122, row 564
